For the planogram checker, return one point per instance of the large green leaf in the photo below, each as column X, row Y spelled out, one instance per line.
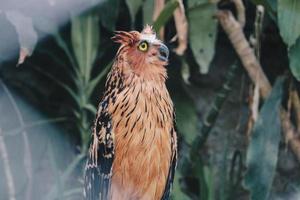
column 202, row 32
column 177, row 193
column 262, row 152
column 94, row 82
column 85, row 41
column 288, row 20
column 134, row 6
column 109, row 11
column 272, row 4
column 294, row 57
column 148, row 7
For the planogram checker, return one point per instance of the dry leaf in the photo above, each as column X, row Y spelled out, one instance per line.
column 240, row 12
column 26, row 34
column 24, row 53
column 158, row 7
column 182, row 28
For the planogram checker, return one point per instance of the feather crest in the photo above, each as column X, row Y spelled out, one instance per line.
column 126, row 38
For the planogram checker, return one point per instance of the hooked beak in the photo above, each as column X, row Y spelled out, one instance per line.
column 163, row 53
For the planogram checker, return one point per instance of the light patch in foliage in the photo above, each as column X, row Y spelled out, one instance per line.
column 186, row 116
column 294, row 57
column 134, row 6
column 85, row 41
column 26, row 34
column 148, row 11
column 109, row 11
column 262, row 152
column 288, row 20
column 177, row 193
column 202, row 32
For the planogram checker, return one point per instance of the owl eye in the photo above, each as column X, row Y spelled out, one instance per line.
column 143, row 46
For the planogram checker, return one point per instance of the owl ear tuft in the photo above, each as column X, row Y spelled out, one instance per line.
column 148, row 29
column 124, row 37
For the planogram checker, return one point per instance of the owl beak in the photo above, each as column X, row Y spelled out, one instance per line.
column 163, row 53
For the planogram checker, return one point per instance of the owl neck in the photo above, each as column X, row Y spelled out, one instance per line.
column 146, row 72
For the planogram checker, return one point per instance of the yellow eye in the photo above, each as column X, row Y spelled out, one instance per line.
column 143, row 46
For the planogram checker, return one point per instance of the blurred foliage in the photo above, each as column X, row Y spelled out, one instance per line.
column 263, row 149
column 66, row 74
column 202, row 33
column 294, row 57
column 165, row 15
column 289, row 25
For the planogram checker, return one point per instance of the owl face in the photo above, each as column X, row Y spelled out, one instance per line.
column 143, row 46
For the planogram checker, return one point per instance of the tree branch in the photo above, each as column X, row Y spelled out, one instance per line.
column 235, row 34
column 181, row 25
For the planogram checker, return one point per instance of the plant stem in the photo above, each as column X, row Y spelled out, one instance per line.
column 7, row 169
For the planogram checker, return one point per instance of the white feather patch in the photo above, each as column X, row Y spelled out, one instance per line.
column 151, row 38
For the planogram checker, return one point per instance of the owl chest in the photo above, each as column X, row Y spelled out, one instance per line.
column 141, row 125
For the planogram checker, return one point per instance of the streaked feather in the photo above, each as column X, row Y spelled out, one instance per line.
column 133, row 153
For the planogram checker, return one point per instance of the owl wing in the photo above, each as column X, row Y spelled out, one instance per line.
column 98, row 170
column 173, row 164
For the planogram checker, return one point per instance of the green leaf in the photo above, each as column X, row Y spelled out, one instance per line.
column 93, row 83
column 70, row 91
column 186, row 115
column 90, row 108
column 63, row 45
column 209, row 179
column 148, row 7
column 133, row 6
column 272, row 4
column 109, row 11
column 294, row 57
column 202, row 32
column 288, row 20
column 165, row 14
column 177, row 193
column 85, row 41
column 262, row 152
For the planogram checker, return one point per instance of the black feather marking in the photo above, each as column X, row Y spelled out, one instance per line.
column 136, row 102
column 118, row 123
column 145, row 107
column 97, row 181
column 143, row 135
column 170, row 179
column 131, row 110
column 116, row 107
column 123, row 112
column 173, row 164
column 136, row 122
column 126, row 124
column 125, row 134
column 126, row 104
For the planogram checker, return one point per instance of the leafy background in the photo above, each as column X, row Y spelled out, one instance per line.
column 63, row 52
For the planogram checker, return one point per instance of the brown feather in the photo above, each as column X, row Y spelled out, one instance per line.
column 142, row 121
